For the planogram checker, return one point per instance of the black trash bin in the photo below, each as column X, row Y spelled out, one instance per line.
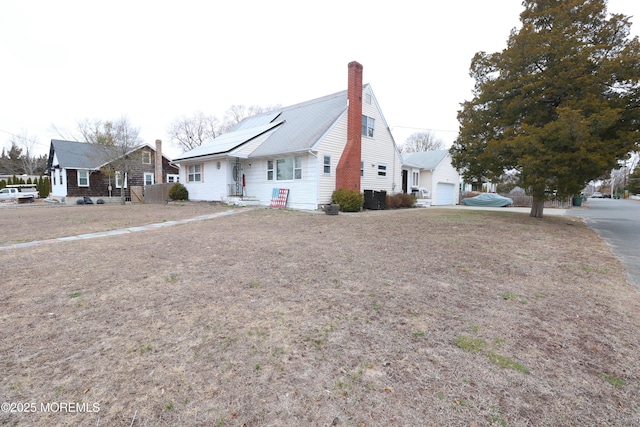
column 375, row 200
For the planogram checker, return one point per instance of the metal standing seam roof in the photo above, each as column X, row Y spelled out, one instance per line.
column 428, row 160
column 295, row 128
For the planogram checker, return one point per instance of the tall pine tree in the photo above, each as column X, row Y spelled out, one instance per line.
column 560, row 104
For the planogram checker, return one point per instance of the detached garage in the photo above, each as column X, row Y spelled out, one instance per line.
column 433, row 171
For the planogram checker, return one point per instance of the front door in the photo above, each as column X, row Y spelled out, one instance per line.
column 405, row 180
column 236, row 178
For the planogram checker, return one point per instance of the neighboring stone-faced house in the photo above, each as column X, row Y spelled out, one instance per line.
column 433, row 171
column 79, row 169
column 338, row 141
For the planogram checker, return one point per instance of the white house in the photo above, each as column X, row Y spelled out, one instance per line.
column 310, row 149
column 433, row 171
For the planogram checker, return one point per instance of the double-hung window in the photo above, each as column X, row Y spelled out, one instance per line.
column 297, row 168
column 194, row 173
column 326, row 165
column 382, row 170
column 148, row 178
column 83, row 178
column 368, row 124
column 270, row 170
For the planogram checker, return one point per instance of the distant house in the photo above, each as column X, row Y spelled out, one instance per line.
column 309, row 149
column 79, row 169
column 483, row 185
column 433, row 171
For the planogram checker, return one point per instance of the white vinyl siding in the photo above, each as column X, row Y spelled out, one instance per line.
column 332, row 146
column 380, row 150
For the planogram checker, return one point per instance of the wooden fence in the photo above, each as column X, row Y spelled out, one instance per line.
column 524, row 201
column 157, row 194
column 521, row 200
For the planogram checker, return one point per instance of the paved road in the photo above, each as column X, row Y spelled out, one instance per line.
column 618, row 223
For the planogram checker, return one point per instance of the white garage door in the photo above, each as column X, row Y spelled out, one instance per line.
column 444, row 194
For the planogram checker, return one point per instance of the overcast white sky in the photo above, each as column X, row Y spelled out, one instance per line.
column 152, row 61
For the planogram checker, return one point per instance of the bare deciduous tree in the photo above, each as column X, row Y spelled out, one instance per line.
column 422, row 141
column 119, row 140
column 191, row 132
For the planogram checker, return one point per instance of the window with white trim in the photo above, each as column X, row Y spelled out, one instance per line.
column 382, row 170
column 368, row 124
column 119, row 180
column 297, row 168
column 367, row 98
column 146, row 157
column 173, row 177
column 361, row 168
column 415, row 179
column 194, row 173
column 286, row 169
column 83, row 178
column 270, row 170
column 148, row 178
column 326, row 165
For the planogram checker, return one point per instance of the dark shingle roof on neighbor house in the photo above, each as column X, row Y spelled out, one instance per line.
column 427, row 160
column 294, row 129
column 78, row 155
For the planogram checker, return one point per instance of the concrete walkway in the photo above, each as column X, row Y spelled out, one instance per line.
column 123, row 230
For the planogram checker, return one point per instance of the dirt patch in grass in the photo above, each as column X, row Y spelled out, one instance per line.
column 267, row 317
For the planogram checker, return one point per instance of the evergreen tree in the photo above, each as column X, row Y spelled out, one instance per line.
column 633, row 182
column 560, row 105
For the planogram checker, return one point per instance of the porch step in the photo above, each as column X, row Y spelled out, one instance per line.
column 423, row 203
column 243, row 201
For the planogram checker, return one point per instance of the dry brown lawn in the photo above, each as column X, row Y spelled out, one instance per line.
column 421, row 317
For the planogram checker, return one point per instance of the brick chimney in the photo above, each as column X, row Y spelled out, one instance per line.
column 348, row 170
column 158, row 166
